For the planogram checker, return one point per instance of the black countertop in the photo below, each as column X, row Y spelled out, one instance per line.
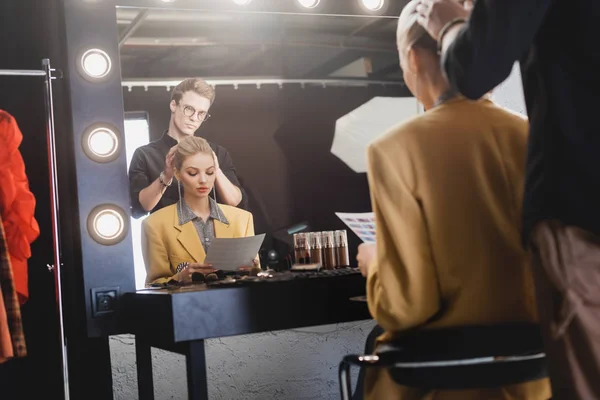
column 168, row 316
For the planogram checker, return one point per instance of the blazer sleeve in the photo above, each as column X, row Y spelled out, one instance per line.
column 402, row 284
column 498, row 33
column 156, row 259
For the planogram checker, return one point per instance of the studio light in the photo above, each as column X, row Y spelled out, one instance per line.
column 101, row 143
column 309, row 3
column 107, row 224
column 95, row 64
column 373, row 5
column 242, row 2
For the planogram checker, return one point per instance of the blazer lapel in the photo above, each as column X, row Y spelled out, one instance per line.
column 222, row 230
column 189, row 239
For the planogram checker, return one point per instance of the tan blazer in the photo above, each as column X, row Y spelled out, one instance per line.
column 446, row 190
column 166, row 244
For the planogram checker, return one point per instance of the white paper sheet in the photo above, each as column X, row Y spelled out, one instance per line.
column 362, row 224
column 229, row 254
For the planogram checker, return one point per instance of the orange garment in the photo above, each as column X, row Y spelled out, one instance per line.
column 16, row 202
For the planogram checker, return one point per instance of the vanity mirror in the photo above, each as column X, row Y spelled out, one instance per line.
column 298, row 97
column 282, row 80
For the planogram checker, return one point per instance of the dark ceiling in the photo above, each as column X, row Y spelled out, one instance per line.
column 161, row 44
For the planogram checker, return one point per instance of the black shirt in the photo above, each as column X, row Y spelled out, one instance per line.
column 149, row 161
column 557, row 44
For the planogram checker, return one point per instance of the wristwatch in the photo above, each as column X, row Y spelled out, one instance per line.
column 161, row 178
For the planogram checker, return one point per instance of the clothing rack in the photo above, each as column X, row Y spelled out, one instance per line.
column 47, row 73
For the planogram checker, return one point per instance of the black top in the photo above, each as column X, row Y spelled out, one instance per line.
column 149, row 161
column 557, row 44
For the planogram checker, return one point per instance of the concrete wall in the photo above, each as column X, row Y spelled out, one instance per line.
column 295, row 364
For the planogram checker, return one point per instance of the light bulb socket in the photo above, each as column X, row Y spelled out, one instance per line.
column 110, row 213
column 92, row 138
column 85, row 69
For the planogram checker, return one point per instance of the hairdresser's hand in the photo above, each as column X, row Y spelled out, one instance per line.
column 435, row 14
column 216, row 160
column 367, row 252
column 169, row 171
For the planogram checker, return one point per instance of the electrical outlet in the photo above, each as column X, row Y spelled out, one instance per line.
column 104, row 300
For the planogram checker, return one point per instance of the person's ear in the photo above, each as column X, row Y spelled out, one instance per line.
column 177, row 175
column 173, row 106
column 412, row 61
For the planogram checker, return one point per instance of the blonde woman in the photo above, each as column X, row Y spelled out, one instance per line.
column 176, row 238
column 446, row 190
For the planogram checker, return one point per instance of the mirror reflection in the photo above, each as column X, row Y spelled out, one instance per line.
column 283, row 105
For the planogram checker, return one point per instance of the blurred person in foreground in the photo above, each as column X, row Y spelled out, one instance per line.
column 556, row 42
column 446, row 189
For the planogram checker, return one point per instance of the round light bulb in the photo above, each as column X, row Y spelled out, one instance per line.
column 373, row 5
column 309, row 3
column 96, row 63
column 108, row 224
column 103, row 142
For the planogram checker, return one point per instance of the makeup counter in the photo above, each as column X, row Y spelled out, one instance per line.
column 179, row 318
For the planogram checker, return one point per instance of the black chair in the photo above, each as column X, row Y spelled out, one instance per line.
column 473, row 357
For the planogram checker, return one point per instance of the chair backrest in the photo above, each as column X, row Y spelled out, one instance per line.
column 467, row 357
column 468, row 342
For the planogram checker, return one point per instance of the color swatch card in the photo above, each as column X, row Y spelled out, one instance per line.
column 362, row 224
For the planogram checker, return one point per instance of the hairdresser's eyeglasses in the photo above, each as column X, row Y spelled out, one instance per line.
column 189, row 111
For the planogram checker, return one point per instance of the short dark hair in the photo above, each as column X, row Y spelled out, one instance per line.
column 197, row 85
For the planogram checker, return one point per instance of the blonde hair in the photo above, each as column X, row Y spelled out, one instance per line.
column 197, row 85
column 190, row 146
column 410, row 33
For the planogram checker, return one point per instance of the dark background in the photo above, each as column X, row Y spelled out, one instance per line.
column 26, row 38
column 280, row 141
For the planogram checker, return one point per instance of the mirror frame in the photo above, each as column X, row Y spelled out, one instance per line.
column 92, row 24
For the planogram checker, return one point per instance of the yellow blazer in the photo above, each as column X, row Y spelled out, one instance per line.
column 166, row 244
column 446, row 189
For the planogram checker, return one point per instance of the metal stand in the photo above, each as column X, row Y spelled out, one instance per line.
column 46, row 73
